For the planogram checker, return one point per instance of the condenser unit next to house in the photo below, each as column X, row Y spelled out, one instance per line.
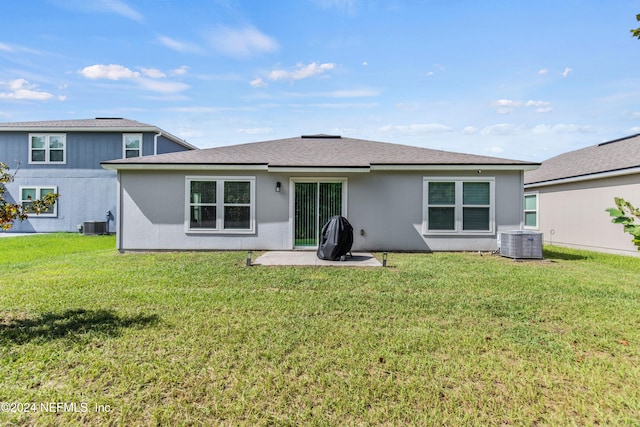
column 91, row 228
column 521, row 244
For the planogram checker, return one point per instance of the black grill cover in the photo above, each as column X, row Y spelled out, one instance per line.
column 336, row 238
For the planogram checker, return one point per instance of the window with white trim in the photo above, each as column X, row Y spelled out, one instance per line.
column 458, row 205
column 531, row 210
column 131, row 145
column 29, row 194
column 220, row 204
column 47, row 148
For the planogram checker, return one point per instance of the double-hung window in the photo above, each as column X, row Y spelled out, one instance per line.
column 531, row 210
column 29, row 194
column 220, row 204
column 132, row 145
column 458, row 205
column 47, row 148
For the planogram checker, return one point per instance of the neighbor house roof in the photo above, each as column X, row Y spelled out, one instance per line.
column 620, row 156
column 99, row 124
column 316, row 151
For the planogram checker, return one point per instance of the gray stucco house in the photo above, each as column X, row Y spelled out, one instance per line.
column 64, row 156
column 277, row 194
column 567, row 196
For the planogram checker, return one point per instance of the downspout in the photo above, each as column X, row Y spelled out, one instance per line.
column 155, row 142
column 119, row 213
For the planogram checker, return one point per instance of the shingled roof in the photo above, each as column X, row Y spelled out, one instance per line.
column 99, row 124
column 612, row 156
column 317, row 151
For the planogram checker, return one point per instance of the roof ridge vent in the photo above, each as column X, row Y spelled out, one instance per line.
column 109, row 118
column 322, row 136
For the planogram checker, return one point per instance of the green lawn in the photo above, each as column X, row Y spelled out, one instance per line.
column 200, row 339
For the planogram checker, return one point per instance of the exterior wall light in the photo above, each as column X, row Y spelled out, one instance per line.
column 278, row 186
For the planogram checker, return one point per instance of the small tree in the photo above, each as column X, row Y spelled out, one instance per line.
column 636, row 32
column 626, row 215
column 9, row 212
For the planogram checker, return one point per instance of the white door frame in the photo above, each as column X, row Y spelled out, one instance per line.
column 292, row 198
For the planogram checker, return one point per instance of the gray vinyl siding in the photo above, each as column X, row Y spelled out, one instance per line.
column 385, row 210
column 85, row 195
column 84, row 150
column 87, row 191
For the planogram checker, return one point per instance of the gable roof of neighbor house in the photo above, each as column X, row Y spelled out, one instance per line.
column 99, row 124
column 620, row 156
column 316, row 151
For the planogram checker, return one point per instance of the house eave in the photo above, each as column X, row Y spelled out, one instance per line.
column 587, row 177
column 181, row 166
column 124, row 129
column 456, row 167
column 319, row 169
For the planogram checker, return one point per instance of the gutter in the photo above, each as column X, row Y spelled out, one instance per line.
column 582, row 178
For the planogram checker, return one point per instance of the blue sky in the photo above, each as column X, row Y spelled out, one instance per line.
column 508, row 78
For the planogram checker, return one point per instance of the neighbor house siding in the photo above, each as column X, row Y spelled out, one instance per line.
column 87, row 191
column 384, row 208
column 85, row 195
column 573, row 214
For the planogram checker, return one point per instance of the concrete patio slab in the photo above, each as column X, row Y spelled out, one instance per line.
column 359, row 259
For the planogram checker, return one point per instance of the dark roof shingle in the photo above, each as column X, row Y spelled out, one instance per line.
column 609, row 156
column 320, row 151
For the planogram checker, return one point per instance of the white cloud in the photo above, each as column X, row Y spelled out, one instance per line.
column 470, row 130
column 149, row 78
column 179, row 46
column 301, row 71
column 417, row 128
column 502, row 129
column 634, row 130
column 118, row 7
column 242, row 42
column 345, row 6
column 506, row 106
column 543, row 71
column 180, row 71
column 562, row 128
column 5, row 47
column 153, row 73
column 111, row 72
column 162, row 85
column 21, row 89
column 566, row 72
column 258, row 82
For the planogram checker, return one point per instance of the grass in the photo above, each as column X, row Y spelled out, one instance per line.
column 200, row 339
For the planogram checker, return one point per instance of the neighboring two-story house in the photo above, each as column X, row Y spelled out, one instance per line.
column 63, row 156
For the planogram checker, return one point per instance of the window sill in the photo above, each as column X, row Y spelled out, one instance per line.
column 220, row 232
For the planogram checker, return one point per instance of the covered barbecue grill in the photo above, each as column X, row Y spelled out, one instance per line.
column 336, row 239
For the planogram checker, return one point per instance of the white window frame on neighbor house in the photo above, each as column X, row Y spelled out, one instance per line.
column 458, row 205
column 125, row 137
column 220, row 204
column 38, row 194
column 47, row 149
column 535, row 210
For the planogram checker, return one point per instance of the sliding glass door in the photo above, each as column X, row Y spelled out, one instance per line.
column 314, row 203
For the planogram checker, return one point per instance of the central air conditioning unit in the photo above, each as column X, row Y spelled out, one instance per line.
column 521, row 244
column 93, row 228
